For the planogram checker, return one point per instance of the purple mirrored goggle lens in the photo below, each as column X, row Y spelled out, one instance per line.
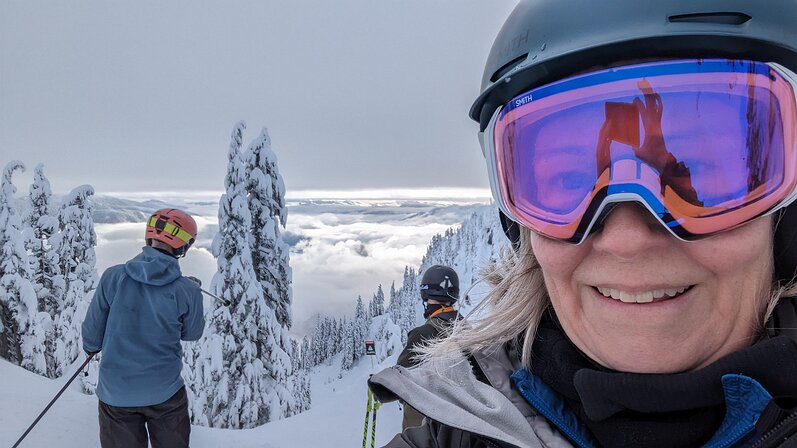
column 692, row 138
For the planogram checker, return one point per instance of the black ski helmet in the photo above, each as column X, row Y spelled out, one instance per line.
column 440, row 283
column 546, row 40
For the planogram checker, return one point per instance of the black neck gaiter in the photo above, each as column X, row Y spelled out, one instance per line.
column 430, row 308
column 654, row 410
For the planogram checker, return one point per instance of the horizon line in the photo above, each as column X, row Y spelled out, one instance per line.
column 439, row 193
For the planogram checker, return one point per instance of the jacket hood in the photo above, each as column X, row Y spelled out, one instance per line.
column 153, row 267
column 447, row 391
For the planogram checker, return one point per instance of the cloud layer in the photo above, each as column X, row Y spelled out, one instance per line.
column 340, row 248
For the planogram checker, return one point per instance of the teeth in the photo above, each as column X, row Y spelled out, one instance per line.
column 645, row 297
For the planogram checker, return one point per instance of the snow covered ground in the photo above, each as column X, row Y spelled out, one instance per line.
column 335, row 420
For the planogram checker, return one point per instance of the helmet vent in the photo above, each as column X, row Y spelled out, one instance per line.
column 723, row 18
column 507, row 67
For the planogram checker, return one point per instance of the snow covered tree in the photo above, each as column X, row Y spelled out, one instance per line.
column 379, row 302
column 299, row 382
column 303, row 391
column 323, row 342
column 240, row 369
column 42, row 224
column 76, row 276
column 314, row 353
column 307, row 360
column 354, row 333
column 270, row 254
column 349, row 346
column 392, row 306
column 21, row 339
column 407, row 303
column 361, row 324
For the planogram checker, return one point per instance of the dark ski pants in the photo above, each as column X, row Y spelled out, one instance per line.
column 168, row 424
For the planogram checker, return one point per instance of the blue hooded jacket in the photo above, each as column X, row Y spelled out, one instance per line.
column 140, row 312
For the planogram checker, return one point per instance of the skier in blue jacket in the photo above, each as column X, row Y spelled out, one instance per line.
column 139, row 314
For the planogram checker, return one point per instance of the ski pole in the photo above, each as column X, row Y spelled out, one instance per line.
column 80, row 369
column 375, row 408
column 199, row 283
column 224, row 301
column 367, row 415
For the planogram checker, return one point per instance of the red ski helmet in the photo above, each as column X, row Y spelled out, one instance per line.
column 173, row 227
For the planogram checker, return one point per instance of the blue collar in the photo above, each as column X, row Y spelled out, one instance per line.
column 745, row 400
column 551, row 406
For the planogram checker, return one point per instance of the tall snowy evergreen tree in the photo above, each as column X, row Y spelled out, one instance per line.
column 270, row 254
column 270, row 258
column 77, row 275
column 240, row 366
column 42, row 224
column 21, row 338
column 41, row 227
column 361, row 323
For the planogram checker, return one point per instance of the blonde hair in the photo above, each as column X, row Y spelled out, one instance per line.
column 515, row 304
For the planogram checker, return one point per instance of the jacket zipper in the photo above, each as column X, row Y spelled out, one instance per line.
column 791, row 418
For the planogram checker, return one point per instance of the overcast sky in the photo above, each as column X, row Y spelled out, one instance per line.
column 142, row 96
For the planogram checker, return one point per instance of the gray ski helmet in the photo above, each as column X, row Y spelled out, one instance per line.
column 546, row 40
column 440, row 283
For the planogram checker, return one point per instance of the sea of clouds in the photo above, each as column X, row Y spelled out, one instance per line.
column 343, row 244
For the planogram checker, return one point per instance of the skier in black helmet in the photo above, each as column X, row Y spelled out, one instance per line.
column 644, row 160
column 439, row 292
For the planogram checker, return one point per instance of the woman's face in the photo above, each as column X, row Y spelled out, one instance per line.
column 718, row 284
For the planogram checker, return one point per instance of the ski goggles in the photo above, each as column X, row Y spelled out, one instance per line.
column 705, row 145
column 161, row 225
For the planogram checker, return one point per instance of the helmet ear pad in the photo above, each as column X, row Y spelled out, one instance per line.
column 785, row 244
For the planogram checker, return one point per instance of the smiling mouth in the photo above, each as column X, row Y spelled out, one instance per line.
column 656, row 295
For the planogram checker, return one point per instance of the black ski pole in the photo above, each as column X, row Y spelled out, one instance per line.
column 224, row 301
column 196, row 280
column 80, row 369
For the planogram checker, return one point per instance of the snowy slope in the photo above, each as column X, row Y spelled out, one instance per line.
column 338, row 404
column 335, row 420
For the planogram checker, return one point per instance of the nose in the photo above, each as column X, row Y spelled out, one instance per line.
column 628, row 230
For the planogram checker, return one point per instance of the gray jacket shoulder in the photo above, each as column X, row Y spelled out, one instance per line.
column 464, row 410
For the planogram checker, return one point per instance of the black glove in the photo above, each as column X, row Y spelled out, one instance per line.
column 195, row 280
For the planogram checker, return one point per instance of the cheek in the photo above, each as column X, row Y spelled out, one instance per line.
column 743, row 268
column 742, row 255
column 558, row 260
